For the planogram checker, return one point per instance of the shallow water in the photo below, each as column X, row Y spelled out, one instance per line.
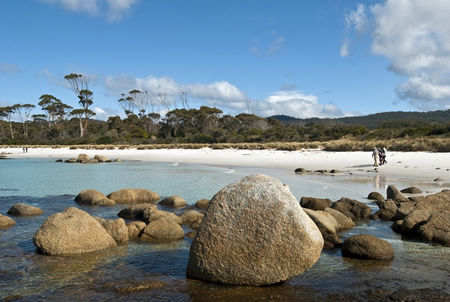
column 159, row 269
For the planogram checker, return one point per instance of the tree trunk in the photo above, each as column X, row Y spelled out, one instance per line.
column 85, row 126
column 81, row 128
column 12, row 130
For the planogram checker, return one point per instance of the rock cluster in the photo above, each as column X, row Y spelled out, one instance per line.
column 85, row 159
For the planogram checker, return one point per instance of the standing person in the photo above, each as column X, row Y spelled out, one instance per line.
column 375, row 156
column 383, row 160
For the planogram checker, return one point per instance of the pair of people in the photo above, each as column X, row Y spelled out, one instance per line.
column 379, row 156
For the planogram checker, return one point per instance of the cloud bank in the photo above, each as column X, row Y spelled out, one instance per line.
column 225, row 96
column 414, row 36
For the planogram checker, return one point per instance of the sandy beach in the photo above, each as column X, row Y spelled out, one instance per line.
column 426, row 166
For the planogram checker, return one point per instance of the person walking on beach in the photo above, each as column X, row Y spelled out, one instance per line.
column 383, row 156
column 375, row 156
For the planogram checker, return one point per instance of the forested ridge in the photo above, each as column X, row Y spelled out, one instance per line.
column 61, row 124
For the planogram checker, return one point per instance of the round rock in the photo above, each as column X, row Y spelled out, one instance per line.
column 174, row 201
column 93, row 198
column 21, row 209
column 6, row 222
column 367, row 247
column 134, row 196
column 254, row 233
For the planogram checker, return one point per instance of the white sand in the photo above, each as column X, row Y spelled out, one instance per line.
column 411, row 165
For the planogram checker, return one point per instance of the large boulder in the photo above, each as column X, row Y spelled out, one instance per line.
column 375, row 196
column 254, row 233
column 162, row 229
column 202, row 204
column 344, row 222
column 21, row 209
column 433, row 203
column 411, row 190
column 352, row 208
column 328, row 227
column 367, row 247
column 72, row 231
column 134, row 196
column 136, row 211
column 437, row 228
column 6, row 222
column 393, row 193
column 192, row 219
column 93, row 198
column 116, row 228
column 316, row 204
column 174, row 201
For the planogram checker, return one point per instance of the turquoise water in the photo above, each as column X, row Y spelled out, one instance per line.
column 106, row 275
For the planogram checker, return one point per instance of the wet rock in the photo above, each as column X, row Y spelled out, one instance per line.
column 136, row 211
column 134, row 196
column 58, row 161
column 135, row 228
column 393, row 193
column 327, row 226
column 174, row 201
column 116, row 228
column 83, row 158
column 254, row 233
column 375, row 196
column 344, row 222
column 118, row 160
column 316, row 204
column 162, row 229
column 21, row 209
column 411, row 190
column 321, row 171
column 388, row 209
column 192, row 219
column 93, row 198
column 437, row 228
column 334, row 171
column 71, row 160
column 202, row 204
column 191, row 234
column 413, row 221
column 438, row 179
column 352, row 208
column 367, row 247
column 72, row 231
column 6, row 222
column 300, row 170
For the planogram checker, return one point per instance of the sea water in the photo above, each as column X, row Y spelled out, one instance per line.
column 139, row 271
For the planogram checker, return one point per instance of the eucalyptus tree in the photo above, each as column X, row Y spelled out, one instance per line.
column 184, row 99
column 24, row 112
column 7, row 112
column 127, row 104
column 79, row 84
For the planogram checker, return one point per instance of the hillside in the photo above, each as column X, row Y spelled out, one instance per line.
column 372, row 121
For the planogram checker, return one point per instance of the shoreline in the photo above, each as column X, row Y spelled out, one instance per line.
column 425, row 166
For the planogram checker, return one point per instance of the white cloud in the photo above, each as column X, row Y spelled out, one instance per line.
column 104, row 113
column 8, row 68
column 344, row 49
column 113, row 9
column 295, row 104
column 415, row 36
column 357, row 18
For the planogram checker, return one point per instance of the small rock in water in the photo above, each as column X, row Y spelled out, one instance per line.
column 438, row 179
column 367, row 247
column 6, row 222
column 20, row 209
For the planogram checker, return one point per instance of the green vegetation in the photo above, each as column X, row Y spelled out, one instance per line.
column 206, row 126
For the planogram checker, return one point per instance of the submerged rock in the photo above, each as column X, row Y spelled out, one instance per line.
column 254, row 233
column 134, row 196
column 162, row 229
column 72, row 231
column 367, row 247
column 21, row 209
column 136, row 211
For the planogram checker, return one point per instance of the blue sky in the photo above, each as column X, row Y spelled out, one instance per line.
column 324, row 58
